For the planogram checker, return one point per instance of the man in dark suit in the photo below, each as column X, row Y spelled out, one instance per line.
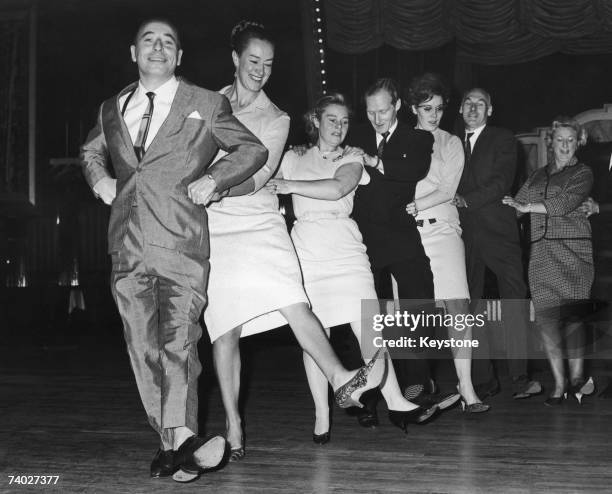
column 598, row 156
column 491, row 237
column 397, row 157
column 160, row 134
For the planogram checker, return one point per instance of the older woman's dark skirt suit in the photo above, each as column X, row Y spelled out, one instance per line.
column 561, row 261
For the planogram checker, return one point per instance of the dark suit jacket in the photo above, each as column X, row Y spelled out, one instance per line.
column 486, row 179
column 389, row 233
column 180, row 153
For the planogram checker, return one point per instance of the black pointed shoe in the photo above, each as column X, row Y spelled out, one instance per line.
column 321, row 438
column 419, row 415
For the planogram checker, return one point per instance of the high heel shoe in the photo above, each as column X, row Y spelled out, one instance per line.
column 419, row 415
column 237, row 454
column 367, row 377
column 582, row 388
column 321, row 438
column 476, row 407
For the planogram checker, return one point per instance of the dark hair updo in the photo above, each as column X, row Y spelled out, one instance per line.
column 317, row 111
column 424, row 87
column 244, row 32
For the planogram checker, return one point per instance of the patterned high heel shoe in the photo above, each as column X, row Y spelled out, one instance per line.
column 582, row 388
column 367, row 377
column 476, row 407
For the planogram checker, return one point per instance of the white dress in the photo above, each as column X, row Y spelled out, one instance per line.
column 328, row 243
column 253, row 266
column 442, row 239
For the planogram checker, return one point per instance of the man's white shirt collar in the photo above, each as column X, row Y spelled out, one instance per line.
column 379, row 137
column 476, row 134
column 163, row 94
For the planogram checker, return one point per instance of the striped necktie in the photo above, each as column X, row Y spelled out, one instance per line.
column 143, row 130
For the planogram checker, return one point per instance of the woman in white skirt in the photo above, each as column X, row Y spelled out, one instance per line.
column 255, row 282
column 438, row 222
column 335, row 266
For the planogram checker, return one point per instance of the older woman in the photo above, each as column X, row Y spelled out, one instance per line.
column 438, row 221
column 335, row 266
column 255, row 282
column 561, row 260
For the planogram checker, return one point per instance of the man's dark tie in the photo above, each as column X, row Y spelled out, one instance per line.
column 381, row 146
column 468, row 146
column 143, row 130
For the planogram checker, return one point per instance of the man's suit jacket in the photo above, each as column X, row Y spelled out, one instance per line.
column 487, row 177
column 199, row 123
column 389, row 232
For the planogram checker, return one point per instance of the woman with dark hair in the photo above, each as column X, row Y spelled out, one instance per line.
column 335, row 266
column 255, row 282
column 438, row 222
column 561, row 259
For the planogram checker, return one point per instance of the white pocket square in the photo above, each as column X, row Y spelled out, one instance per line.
column 195, row 114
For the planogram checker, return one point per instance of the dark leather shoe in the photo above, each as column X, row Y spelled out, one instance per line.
column 163, row 464
column 488, row 389
column 367, row 418
column 198, row 455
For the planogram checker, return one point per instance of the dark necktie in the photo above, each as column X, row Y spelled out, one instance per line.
column 143, row 130
column 468, row 146
column 381, row 146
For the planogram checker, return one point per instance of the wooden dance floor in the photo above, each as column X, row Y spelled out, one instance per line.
column 75, row 414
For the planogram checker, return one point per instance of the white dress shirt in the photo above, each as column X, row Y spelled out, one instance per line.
column 138, row 104
column 475, row 135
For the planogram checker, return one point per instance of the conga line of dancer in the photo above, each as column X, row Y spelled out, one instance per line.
column 192, row 177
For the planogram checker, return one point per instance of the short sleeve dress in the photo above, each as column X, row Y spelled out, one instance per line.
column 335, row 266
column 254, row 270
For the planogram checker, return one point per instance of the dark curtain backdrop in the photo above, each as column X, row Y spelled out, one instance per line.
column 492, row 32
column 538, row 58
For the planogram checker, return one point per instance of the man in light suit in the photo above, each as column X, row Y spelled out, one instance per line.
column 491, row 237
column 160, row 134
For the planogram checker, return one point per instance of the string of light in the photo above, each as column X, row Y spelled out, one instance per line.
column 319, row 36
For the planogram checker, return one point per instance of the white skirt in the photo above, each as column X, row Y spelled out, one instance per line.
column 444, row 247
column 253, row 272
column 336, row 269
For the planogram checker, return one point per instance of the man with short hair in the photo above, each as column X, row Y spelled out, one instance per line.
column 161, row 133
column 491, row 237
column 397, row 157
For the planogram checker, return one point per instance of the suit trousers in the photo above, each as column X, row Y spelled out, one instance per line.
column 415, row 285
column 503, row 257
column 160, row 294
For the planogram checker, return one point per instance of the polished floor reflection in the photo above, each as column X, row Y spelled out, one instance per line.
column 76, row 413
